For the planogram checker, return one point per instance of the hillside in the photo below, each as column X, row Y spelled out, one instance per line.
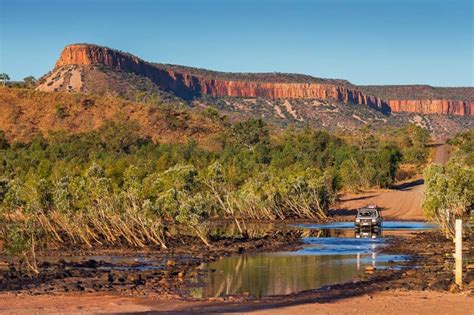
column 333, row 116
column 283, row 99
column 25, row 113
column 191, row 83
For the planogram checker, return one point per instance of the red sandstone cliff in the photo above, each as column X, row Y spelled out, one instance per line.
column 452, row 107
column 188, row 85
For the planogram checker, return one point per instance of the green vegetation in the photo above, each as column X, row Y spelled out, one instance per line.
column 4, row 78
column 418, row 92
column 414, row 144
column 271, row 77
column 29, row 81
column 450, row 189
column 113, row 187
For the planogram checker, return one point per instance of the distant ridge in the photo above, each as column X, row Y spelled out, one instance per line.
column 73, row 73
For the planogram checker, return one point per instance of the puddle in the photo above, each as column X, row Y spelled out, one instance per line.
column 331, row 254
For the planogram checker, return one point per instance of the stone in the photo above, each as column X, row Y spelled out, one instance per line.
column 131, row 278
column 454, row 288
column 105, row 277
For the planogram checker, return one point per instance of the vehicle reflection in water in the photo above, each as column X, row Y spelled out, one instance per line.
column 368, row 233
column 329, row 256
column 371, row 234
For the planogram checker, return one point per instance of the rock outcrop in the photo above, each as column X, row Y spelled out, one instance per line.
column 188, row 85
column 428, row 106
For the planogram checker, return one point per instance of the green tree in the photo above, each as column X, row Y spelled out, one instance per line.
column 30, row 81
column 180, row 198
column 4, row 77
column 249, row 133
column 463, row 144
column 449, row 193
column 4, row 144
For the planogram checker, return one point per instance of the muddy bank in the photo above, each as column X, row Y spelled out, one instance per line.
column 157, row 272
column 174, row 271
column 432, row 263
column 430, row 269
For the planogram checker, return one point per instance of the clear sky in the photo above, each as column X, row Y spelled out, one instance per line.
column 364, row 41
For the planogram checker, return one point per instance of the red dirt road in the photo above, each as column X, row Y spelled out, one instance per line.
column 389, row 302
column 403, row 203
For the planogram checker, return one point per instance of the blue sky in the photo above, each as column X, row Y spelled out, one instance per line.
column 365, row 41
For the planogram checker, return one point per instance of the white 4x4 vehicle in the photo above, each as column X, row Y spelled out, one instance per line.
column 368, row 217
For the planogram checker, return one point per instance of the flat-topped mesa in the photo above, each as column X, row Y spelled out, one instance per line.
column 186, row 84
column 86, row 54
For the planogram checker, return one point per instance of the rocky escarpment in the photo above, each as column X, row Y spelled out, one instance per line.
column 187, row 84
column 452, row 107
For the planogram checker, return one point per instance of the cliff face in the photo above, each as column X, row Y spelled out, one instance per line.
column 451, row 107
column 188, row 85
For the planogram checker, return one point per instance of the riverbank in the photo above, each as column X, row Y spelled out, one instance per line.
column 141, row 273
column 89, row 287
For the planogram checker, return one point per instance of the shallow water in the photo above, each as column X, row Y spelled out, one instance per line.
column 331, row 254
column 386, row 225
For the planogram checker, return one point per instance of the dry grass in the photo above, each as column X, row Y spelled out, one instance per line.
column 25, row 113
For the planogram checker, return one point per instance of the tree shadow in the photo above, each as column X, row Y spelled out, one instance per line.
column 359, row 198
column 343, row 212
column 408, row 185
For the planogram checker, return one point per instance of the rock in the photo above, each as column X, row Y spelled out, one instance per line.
column 185, row 83
column 454, row 288
column 171, row 263
column 106, row 277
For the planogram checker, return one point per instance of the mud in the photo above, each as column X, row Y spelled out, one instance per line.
column 171, row 273
column 176, row 270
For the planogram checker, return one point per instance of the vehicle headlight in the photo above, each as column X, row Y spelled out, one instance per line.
column 357, row 220
column 374, row 220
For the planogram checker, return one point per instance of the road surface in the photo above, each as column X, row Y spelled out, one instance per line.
column 388, row 302
column 402, row 203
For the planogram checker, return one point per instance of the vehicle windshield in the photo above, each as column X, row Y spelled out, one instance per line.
column 367, row 213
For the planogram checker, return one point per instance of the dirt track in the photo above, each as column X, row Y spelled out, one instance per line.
column 390, row 302
column 401, row 203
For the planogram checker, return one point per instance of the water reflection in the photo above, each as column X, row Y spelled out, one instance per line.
column 279, row 273
column 368, row 233
column 387, row 225
column 332, row 253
